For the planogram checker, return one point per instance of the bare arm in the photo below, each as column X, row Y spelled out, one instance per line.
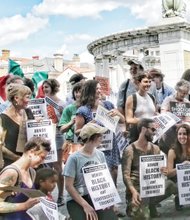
column 171, row 158
column 89, row 210
column 130, row 119
column 79, row 123
column 64, row 128
column 9, row 178
column 8, row 154
column 126, row 170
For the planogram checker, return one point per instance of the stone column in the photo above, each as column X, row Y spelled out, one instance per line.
column 98, row 66
column 105, row 71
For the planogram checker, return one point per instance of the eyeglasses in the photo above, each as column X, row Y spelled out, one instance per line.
column 152, row 129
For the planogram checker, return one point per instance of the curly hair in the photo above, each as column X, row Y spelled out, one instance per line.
column 54, row 84
column 88, row 93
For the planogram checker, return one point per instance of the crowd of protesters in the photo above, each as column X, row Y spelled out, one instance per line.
column 78, row 136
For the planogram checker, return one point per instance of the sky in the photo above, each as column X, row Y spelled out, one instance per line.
column 45, row 27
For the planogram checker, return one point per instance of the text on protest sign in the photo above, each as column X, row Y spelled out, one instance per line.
column 50, row 209
column 100, row 186
column 38, row 108
column 152, row 182
column 163, row 122
column 106, row 120
column 107, row 141
column 181, row 110
column 44, row 129
column 183, row 182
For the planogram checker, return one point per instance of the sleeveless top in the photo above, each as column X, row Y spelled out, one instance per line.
column 145, row 107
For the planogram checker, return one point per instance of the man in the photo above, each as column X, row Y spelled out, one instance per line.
column 162, row 89
column 129, row 86
column 141, row 208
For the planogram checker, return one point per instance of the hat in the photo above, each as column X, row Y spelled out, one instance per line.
column 90, row 129
column 135, row 62
column 76, row 78
column 155, row 72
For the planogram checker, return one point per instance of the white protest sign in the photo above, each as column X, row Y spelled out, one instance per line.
column 38, row 108
column 163, row 122
column 100, row 186
column 51, row 102
column 103, row 118
column 44, row 129
column 50, row 209
column 107, row 141
column 183, row 182
column 122, row 141
column 152, row 181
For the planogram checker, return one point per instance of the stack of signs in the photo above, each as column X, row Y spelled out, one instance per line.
column 100, row 186
column 152, row 181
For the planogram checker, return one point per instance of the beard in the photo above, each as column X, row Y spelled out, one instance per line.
column 149, row 137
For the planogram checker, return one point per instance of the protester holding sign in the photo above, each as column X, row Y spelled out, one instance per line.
column 79, row 203
column 179, row 153
column 138, row 207
column 13, row 121
column 50, row 89
column 182, row 90
column 21, row 173
column 89, row 101
column 139, row 105
column 67, row 122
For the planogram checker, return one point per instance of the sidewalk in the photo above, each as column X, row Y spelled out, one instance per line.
column 167, row 208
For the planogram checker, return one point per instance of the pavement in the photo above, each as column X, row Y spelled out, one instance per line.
column 167, row 209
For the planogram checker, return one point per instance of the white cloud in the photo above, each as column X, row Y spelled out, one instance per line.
column 76, row 8
column 86, row 57
column 17, row 28
column 78, row 37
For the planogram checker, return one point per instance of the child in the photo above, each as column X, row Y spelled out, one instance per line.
column 46, row 180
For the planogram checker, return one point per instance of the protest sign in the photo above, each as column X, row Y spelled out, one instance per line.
column 121, row 141
column 100, row 186
column 43, row 128
column 107, row 141
column 106, row 120
column 152, row 181
column 181, row 110
column 105, row 84
column 50, row 209
column 38, row 108
column 164, row 122
column 183, row 182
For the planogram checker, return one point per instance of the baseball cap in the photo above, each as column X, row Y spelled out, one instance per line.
column 77, row 77
column 135, row 62
column 90, row 129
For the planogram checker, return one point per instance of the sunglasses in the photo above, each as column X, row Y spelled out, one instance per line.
column 152, row 129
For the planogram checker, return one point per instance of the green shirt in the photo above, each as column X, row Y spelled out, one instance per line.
column 68, row 113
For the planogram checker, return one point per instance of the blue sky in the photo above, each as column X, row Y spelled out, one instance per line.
column 44, row 27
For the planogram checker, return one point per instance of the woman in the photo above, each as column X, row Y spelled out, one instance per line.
column 12, row 121
column 179, row 153
column 67, row 121
column 50, row 89
column 22, row 173
column 89, row 101
column 79, row 204
column 139, row 105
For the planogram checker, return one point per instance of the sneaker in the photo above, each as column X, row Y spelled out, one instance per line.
column 60, row 201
